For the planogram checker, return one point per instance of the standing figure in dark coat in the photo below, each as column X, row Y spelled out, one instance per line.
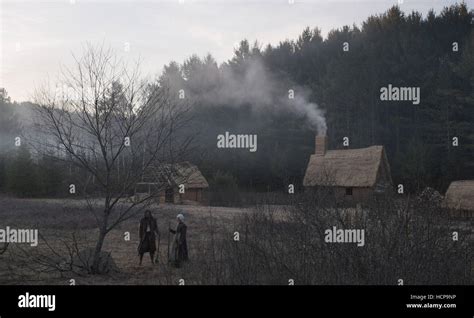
column 148, row 229
column 179, row 250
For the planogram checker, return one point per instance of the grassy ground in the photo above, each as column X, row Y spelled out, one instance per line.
column 57, row 219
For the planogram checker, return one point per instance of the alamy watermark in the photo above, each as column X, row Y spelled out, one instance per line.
column 9, row 235
column 37, row 301
column 228, row 140
column 336, row 235
column 393, row 93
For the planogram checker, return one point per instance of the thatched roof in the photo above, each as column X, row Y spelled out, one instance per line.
column 348, row 168
column 175, row 174
column 460, row 195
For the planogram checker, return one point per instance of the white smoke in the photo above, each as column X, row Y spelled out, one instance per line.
column 255, row 86
column 314, row 115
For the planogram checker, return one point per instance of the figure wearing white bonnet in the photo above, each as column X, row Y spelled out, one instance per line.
column 179, row 250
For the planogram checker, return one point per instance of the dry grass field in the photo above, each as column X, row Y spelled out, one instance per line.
column 66, row 225
column 58, row 219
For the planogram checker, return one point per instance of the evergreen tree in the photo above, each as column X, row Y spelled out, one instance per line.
column 21, row 175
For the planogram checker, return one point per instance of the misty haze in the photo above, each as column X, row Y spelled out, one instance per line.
column 242, row 143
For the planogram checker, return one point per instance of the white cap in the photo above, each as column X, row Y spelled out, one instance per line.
column 180, row 217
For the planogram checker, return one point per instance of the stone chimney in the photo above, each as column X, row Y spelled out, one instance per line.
column 321, row 145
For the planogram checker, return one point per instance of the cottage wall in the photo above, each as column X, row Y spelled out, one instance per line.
column 358, row 194
column 193, row 194
column 162, row 197
column 461, row 213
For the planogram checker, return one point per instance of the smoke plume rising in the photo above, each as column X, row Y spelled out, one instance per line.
column 251, row 84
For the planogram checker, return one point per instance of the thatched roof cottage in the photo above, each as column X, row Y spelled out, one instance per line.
column 460, row 197
column 353, row 173
column 169, row 178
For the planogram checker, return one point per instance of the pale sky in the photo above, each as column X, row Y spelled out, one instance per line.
column 36, row 37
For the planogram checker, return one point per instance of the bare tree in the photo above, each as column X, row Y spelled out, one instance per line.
column 112, row 127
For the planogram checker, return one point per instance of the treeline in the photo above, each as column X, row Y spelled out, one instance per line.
column 21, row 171
column 434, row 53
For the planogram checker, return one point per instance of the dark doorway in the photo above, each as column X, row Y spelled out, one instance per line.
column 169, row 195
column 348, row 191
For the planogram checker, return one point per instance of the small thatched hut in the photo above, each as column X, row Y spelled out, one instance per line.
column 177, row 183
column 460, row 198
column 354, row 174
